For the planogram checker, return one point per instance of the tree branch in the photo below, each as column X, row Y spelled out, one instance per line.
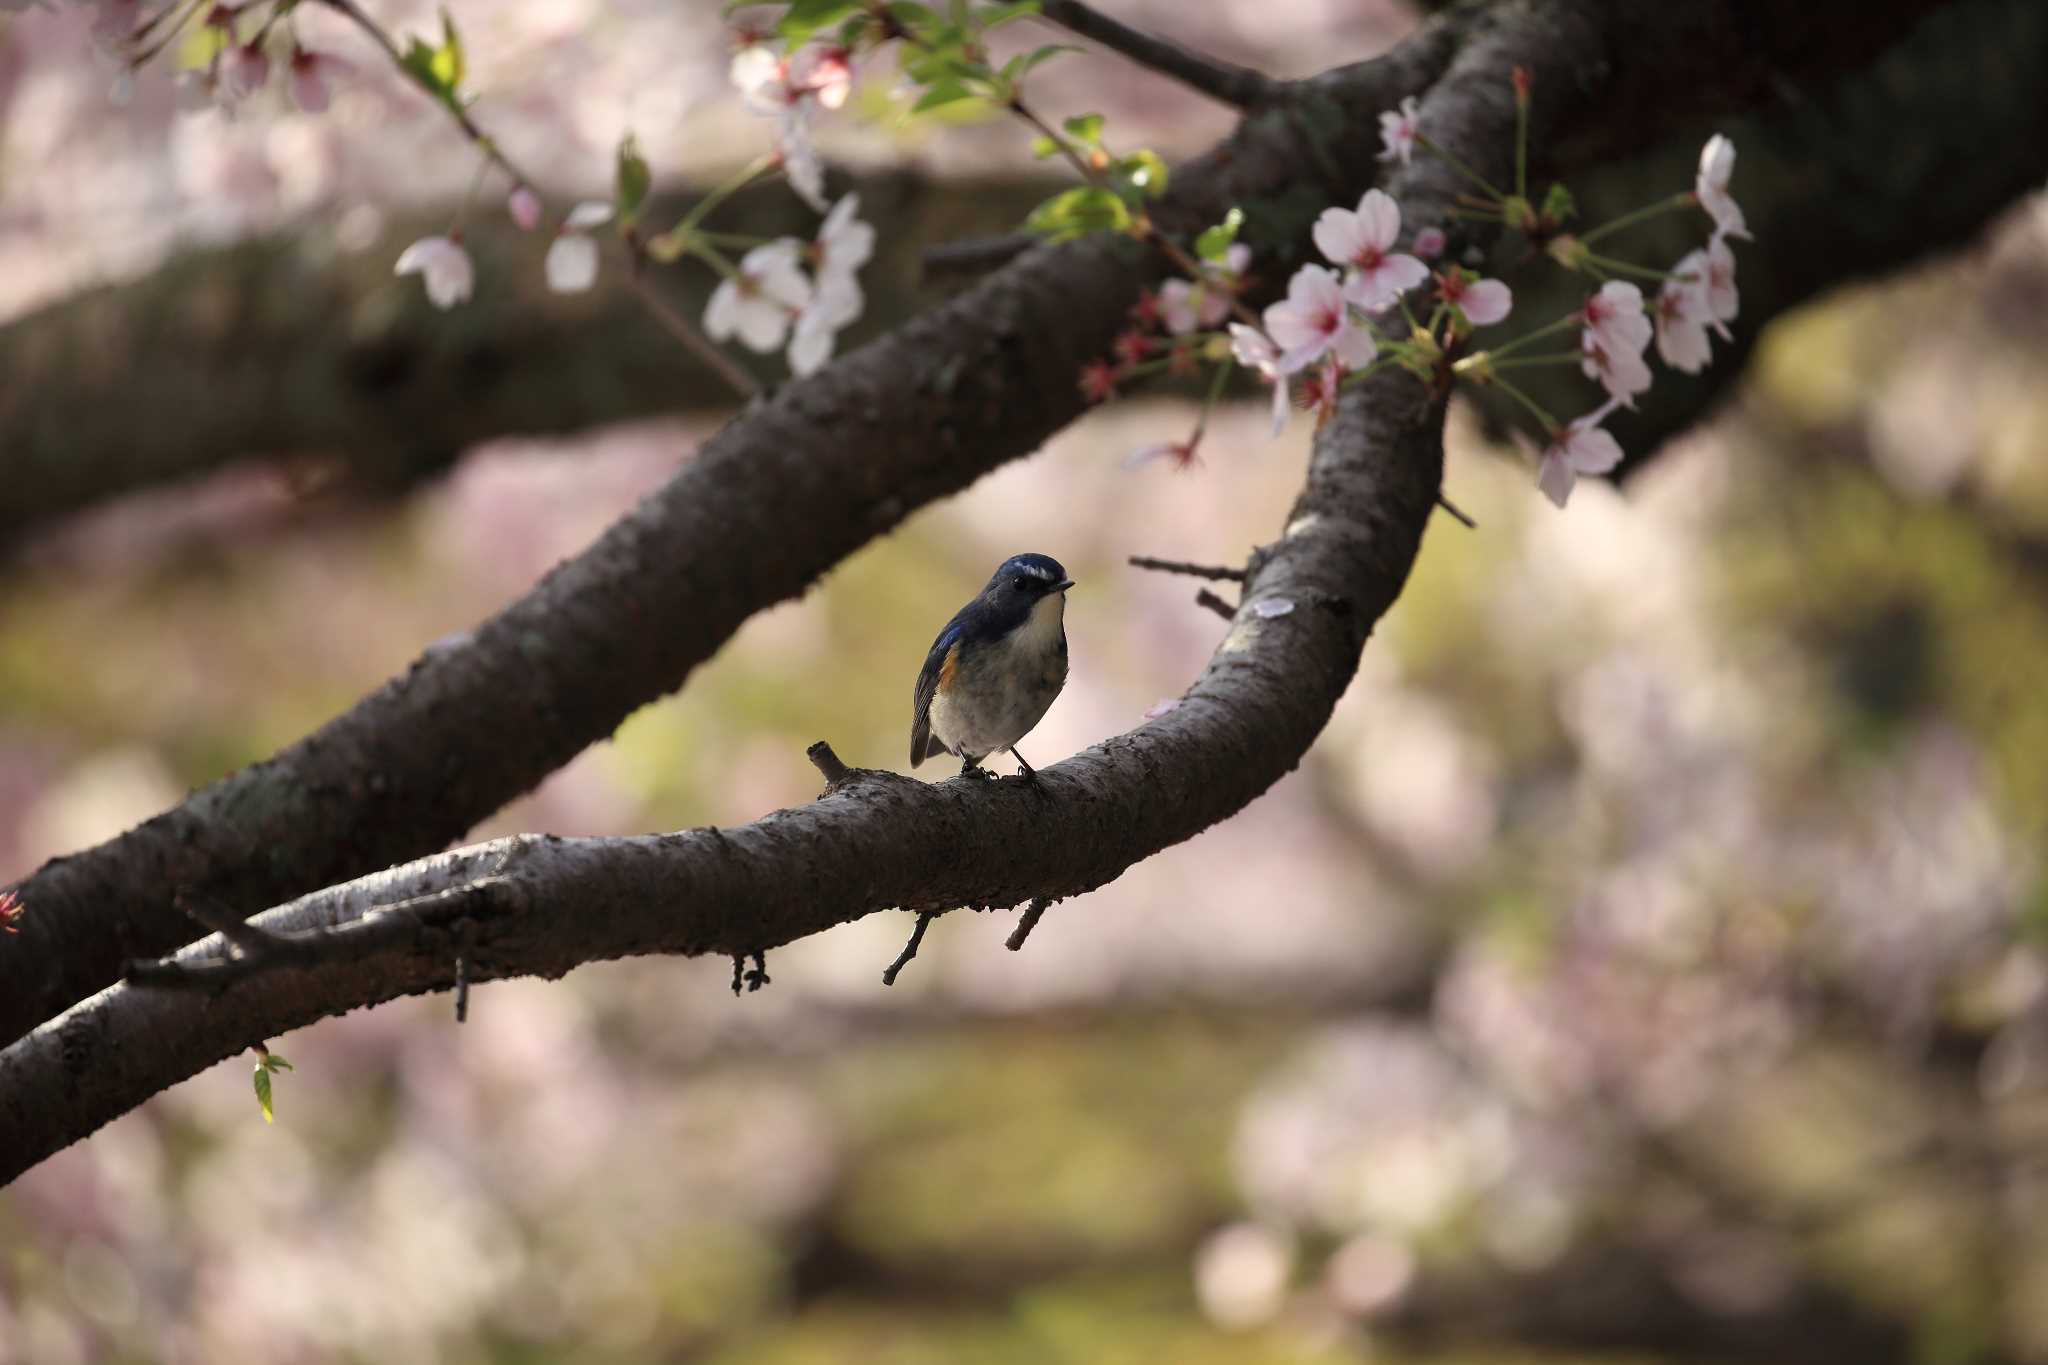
column 849, row 452
column 874, row 840
column 1239, row 86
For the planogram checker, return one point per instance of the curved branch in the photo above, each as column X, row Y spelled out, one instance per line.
column 807, row 477
column 1219, row 80
column 874, row 839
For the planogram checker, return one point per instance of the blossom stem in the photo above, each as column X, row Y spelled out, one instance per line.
column 1547, row 329
column 1478, row 215
column 695, row 244
column 1521, row 148
column 1209, row 403
column 1665, row 205
column 1451, row 159
column 1550, row 358
column 723, row 191
column 183, row 13
column 462, row 206
column 1383, row 363
column 732, row 239
column 1620, row 267
column 1551, row 426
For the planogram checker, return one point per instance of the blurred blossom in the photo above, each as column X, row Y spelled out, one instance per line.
column 1241, row 1274
column 443, row 266
column 1370, row 1274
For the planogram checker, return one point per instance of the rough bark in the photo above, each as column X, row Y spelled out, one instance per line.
column 801, row 480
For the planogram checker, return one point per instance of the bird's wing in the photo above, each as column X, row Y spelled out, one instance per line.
column 944, row 656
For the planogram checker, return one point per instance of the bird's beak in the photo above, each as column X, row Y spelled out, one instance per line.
column 1062, row 585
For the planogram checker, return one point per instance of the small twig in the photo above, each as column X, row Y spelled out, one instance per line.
column 1208, row 599
column 1032, row 914
column 685, row 331
column 924, row 922
column 1454, row 510
column 1192, row 570
column 678, row 326
column 465, row 940
column 976, row 255
column 1238, row 86
column 828, row 763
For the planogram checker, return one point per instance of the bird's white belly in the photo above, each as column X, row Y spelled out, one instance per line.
column 1007, row 689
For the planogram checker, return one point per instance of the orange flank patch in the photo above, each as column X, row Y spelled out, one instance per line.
column 948, row 667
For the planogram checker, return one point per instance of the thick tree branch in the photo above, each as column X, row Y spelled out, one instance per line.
column 1234, row 85
column 874, row 839
column 848, row 453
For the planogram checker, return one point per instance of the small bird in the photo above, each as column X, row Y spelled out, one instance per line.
column 996, row 667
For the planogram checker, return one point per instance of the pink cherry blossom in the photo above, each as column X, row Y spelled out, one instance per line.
column 1255, row 351
column 823, row 71
column 1185, row 305
column 1361, row 239
column 1582, row 446
column 443, row 266
column 1314, row 320
column 1430, row 243
column 759, row 306
column 1484, row 302
column 1398, row 131
column 244, row 69
column 1616, row 333
column 571, row 265
column 844, row 242
column 524, row 207
column 1717, row 167
column 310, row 73
column 1722, row 300
column 1319, row 391
column 1682, row 315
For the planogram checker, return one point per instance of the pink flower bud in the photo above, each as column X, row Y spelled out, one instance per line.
column 524, row 206
column 1429, row 243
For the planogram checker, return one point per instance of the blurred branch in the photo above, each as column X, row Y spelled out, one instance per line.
column 1194, row 570
column 1239, row 86
column 841, row 457
column 975, row 255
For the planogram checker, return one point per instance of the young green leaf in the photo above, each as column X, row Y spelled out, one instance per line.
column 1215, row 242
column 1558, row 205
column 941, row 93
column 449, row 66
column 1077, row 212
column 806, row 17
column 1144, row 172
column 632, row 180
column 263, row 1092
column 1085, row 129
column 1043, row 147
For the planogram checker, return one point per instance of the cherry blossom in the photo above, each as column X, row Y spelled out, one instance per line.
column 790, row 88
column 844, row 243
column 1717, row 167
column 443, row 266
column 1319, row 392
column 1186, row 305
column 800, row 157
column 759, row 306
column 835, row 303
column 310, row 72
column 1098, row 381
column 1255, row 351
column 1180, row 454
column 244, row 69
column 1483, row 302
column 524, row 207
column 1682, row 315
column 1722, row 300
column 1615, row 335
column 1430, row 243
column 823, row 71
column 1314, row 320
column 1361, row 239
column 571, row 264
column 1581, row 446
column 1398, row 131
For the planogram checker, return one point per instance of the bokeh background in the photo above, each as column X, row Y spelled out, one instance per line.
column 1646, row 964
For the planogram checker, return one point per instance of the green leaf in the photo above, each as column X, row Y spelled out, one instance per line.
column 631, row 181
column 1017, row 68
column 1559, row 206
column 1215, row 242
column 806, row 17
column 1043, row 147
column 1085, row 128
column 276, row 1062
column 449, row 65
column 263, row 1092
column 1144, row 172
column 998, row 15
column 942, row 93
column 1077, row 212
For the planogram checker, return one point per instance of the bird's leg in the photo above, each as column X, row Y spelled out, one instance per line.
column 1029, row 773
column 971, row 767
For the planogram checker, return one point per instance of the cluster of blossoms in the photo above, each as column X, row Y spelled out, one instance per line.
column 1168, row 332
column 781, row 291
column 791, row 87
column 1358, row 310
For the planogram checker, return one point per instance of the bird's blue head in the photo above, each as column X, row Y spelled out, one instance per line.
column 1019, row 588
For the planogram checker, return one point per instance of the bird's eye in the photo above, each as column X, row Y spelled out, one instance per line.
column 1021, row 583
